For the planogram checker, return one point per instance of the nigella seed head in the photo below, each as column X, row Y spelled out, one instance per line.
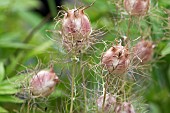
column 143, row 51
column 109, row 104
column 125, row 107
column 137, row 7
column 43, row 83
column 76, row 31
column 116, row 59
column 76, row 24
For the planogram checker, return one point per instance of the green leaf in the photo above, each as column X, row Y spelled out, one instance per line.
column 2, row 71
column 15, row 45
column 4, row 3
column 9, row 37
column 30, row 18
column 2, row 110
column 40, row 49
column 10, row 86
column 19, row 5
column 14, row 81
column 154, row 108
column 10, row 89
column 166, row 50
column 12, row 66
column 9, row 98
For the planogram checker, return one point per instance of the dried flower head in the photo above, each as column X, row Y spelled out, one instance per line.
column 128, row 107
column 76, row 30
column 124, row 107
column 116, row 59
column 43, row 83
column 76, row 24
column 110, row 102
column 137, row 7
column 143, row 51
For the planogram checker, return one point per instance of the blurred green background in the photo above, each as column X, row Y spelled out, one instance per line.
column 25, row 45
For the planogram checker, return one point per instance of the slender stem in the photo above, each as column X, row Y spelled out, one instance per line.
column 129, row 25
column 52, row 7
column 28, row 106
column 72, row 85
column 105, row 89
column 84, row 82
column 104, row 97
column 128, row 31
column 84, row 91
column 121, row 86
column 33, row 106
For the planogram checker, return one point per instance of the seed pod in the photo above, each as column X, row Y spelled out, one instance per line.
column 127, row 108
column 76, row 30
column 124, row 107
column 109, row 105
column 137, row 7
column 116, row 59
column 143, row 51
column 76, row 24
column 43, row 83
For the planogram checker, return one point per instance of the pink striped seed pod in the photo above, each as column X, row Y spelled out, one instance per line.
column 124, row 107
column 76, row 31
column 43, row 83
column 76, row 24
column 137, row 7
column 143, row 51
column 127, row 108
column 110, row 102
column 116, row 59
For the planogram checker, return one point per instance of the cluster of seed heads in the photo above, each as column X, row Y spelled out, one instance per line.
column 76, row 35
column 117, row 58
column 112, row 106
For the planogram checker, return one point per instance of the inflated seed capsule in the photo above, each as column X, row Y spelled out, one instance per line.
column 76, row 24
column 43, row 83
column 116, row 59
column 137, row 7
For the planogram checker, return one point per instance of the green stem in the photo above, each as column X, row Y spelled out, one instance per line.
column 84, row 82
column 121, row 88
column 84, row 91
column 28, row 106
column 129, row 25
column 52, row 7
column 72, row 85
column 34, row 108
column 104, row 97
column 105, row 89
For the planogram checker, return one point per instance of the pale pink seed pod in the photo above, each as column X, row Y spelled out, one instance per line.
column 143, row 51
column 76, row 24
column 110, row 102
column 124, row 107
column 43, row 83
column 118, row 108
column 137, row 7
column 116, row 59
column 127, row 108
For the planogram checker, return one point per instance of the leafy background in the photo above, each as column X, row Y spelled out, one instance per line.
column 25, row 45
